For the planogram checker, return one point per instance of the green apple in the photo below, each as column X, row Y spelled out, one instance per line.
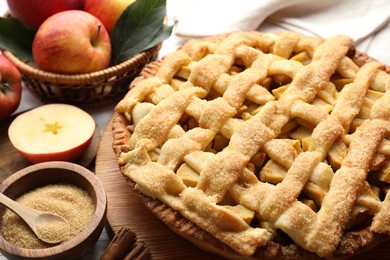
column 72, row 42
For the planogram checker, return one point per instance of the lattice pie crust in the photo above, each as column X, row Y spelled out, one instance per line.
column 261, row 138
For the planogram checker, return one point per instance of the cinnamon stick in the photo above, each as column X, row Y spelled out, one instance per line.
column 139, row 252
column 124, row 245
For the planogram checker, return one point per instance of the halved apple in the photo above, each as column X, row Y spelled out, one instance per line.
column 53, row 132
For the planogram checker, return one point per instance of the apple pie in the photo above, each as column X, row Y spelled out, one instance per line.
column 262, row 145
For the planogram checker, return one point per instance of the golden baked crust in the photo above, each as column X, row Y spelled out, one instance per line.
column 261, row 140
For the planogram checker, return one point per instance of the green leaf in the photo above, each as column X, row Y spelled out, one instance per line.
column 164, row 33
column 140, row 26
column 16, row 38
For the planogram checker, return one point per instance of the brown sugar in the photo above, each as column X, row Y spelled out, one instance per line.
column 53, row 230
column 66, row 200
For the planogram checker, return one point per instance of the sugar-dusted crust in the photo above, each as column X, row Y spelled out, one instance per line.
column 187, row 229
column 352, row 243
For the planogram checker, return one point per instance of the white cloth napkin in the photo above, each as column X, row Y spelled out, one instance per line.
column 359, row 19
column 197, row 18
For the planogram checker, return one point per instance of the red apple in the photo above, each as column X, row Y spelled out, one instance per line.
column 72, row 42
column 53, row 132
column 10, row 87
column 32, row 13
column 107, row 11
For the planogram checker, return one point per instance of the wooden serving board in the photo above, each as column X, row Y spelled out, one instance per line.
column 125, row 209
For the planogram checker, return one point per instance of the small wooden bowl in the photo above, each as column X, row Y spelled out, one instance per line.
column 46, row 173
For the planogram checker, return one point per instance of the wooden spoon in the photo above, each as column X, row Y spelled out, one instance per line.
column 40, row 222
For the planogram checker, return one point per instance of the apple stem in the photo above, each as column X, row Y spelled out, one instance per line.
column 98, row 32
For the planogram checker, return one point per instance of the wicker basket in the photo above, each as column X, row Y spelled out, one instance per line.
column 84, row 90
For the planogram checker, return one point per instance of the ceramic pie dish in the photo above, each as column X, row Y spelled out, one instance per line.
column 262, row 145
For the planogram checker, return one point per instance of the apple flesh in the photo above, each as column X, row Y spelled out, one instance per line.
column 53, row 132
column 72, row 42
column 33, row 13
column 10, row 87
column 107, row 11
